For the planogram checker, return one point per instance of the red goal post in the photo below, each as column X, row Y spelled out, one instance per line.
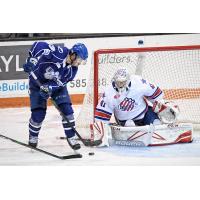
column 176, row 69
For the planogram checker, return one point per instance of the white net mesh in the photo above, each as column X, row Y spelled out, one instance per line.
column 177, row 72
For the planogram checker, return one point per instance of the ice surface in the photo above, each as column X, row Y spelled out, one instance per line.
column 14, row 123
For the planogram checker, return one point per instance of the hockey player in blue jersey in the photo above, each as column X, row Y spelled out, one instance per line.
column 54, row 67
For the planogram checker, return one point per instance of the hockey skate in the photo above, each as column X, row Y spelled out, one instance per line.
column 33, row 141
column 73, row 143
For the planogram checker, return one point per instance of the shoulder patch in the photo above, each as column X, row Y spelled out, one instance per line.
column 52, row 47
column 47, row 53
column 60, row 49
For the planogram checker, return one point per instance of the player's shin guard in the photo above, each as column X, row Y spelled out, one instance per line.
column 34, row 129
column 70, row 133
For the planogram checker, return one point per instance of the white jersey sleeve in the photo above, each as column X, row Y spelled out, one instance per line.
column 105, row 107
column 151, row 91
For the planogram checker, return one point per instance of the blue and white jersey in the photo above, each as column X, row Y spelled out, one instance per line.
column 131, row 103
column 51, row 68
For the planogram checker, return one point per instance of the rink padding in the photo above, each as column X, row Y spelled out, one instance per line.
column 24, row 101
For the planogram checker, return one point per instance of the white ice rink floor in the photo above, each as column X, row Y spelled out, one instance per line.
column 14, row 124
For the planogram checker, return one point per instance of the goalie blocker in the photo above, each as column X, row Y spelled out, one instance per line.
column 148, row 135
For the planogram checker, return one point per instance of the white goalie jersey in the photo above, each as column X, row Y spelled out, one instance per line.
column 129, row 104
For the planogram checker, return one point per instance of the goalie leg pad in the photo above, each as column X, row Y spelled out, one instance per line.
column 172, row 133
column 138, row 134
column 165, row 134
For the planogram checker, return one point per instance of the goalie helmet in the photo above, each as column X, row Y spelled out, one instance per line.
column 121, row 80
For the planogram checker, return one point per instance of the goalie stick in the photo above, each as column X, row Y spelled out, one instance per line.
column 86, row 142
column 42, row 151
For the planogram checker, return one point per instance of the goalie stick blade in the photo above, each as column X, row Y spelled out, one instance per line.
column 91, row 143
column 87, row 142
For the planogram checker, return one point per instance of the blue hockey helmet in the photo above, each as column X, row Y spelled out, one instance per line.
column 81, row 50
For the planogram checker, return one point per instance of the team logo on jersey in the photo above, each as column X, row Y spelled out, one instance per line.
column 127, row 104
column 50, row 74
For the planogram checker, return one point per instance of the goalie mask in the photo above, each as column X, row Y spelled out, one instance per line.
column 121, row 80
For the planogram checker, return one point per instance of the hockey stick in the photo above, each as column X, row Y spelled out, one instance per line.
column 86, row 142
column 42, row 151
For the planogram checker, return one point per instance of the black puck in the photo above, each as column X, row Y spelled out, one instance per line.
column 91, row 153
column 140, row 42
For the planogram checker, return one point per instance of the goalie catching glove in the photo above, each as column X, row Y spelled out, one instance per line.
column 167, row 111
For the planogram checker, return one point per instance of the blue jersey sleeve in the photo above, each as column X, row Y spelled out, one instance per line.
column 38, row 49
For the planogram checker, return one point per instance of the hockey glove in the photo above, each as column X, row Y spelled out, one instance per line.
column 45, row 91
column 30, row 64
column 167, row 111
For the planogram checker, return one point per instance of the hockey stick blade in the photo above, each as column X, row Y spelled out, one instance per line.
column 41, row 150
column 71, row 156
column 87, row 142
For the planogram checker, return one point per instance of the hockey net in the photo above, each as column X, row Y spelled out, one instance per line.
column 176, row 70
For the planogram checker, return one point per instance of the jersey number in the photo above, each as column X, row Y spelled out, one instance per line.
column 102, row 103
